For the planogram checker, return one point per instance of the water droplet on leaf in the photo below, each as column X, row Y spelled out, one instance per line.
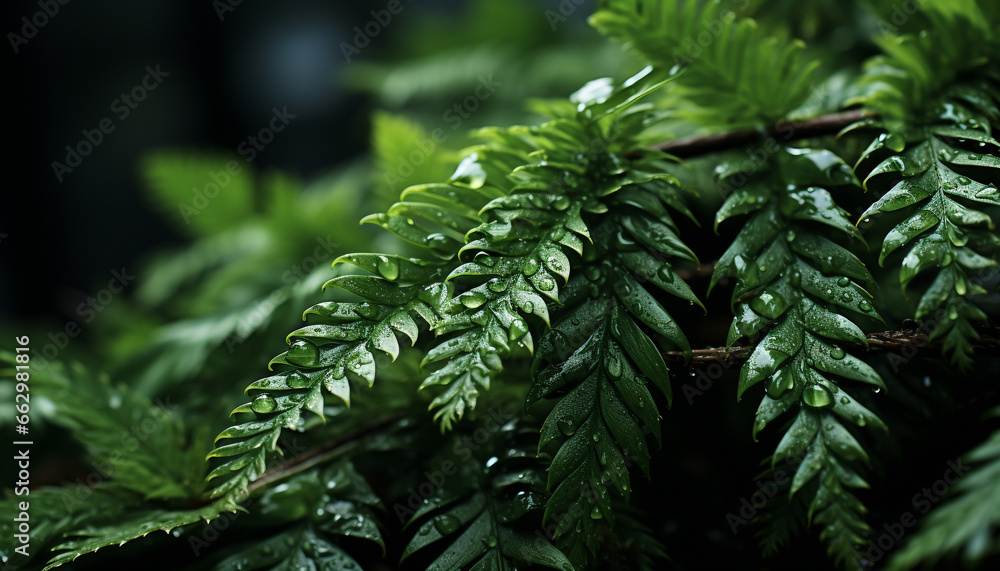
column 302, row 352
column 263, row 404
column 817, row 396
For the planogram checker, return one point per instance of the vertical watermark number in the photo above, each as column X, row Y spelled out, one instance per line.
column 22, row 445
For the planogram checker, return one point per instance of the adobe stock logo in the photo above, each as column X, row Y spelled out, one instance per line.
column 31, row 26
column 122, row 107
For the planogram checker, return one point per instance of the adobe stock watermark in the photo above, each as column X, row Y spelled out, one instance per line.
column 566, row 8
column 249, row 149
column 87, row 310
column 213, row 529
column 30, row 26
column 463, row 449
column 224, row 7
column 767, row 489
column 130, row 440
column 263, row 309
column 121, row 107
column 900, row 15
column 363, row 35
column 922, row 501
column 453, row 116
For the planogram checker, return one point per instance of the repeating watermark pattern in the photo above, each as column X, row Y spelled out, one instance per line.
column 767, row 489
column 224, row 7
column 363, row 35
column 121, row 107
column 30, row 26
column 922, row 501
column 249, row 148
column 265, row 307
column 454, row 116
column 899, row 16
column 213, row 529
column 87, row 310
column 462, row 451
column 565, row 9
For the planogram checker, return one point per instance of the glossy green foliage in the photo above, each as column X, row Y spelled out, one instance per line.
column 600, row 359
column 797, row 300
column 490, row 369
column 486, row 514
column 737, row 77
column 498, row 238
column 943, row 178
column 109, row 420
column 140, row 524
column 308, row 514
column 921, row 62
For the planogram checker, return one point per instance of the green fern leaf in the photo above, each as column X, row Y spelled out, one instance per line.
column 941, row 174
column 724, row 82
column 488, row 517
column 966, row 522
column 798, row 295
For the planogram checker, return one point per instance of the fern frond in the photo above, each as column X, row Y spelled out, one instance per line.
column 735, row 78
column 139, row 524
column 345, row 508
column 965, row 523
column 916, row 69
column 497, row 236
column 944, row 174
column 797, row 297
column 164, row 458
column 487, row 517
column 598, row 356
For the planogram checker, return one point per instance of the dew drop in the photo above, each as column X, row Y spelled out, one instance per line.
column 960, row 287
column 366, row 310
column 592, row 273
column 388, row 267
column 496, row 285
column 302, row 352
column 865, row 306
column 263, row 404
column 530, row 267
column 780, row 383
column 843, row 281
column 296, row 380
column 561, row 203
column 472, row 299
column 446, row 524
column 837, row 353
column 614, row 367
column 438, row 243
column 566, row 427
column 666, row 274
column 546, row 283
column 817, row 396
column 845, row 400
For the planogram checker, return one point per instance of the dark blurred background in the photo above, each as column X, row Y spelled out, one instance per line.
column 228, row 67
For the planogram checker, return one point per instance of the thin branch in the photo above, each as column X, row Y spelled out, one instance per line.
column 782, row 131
column 319, row 455
column 885, row 341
